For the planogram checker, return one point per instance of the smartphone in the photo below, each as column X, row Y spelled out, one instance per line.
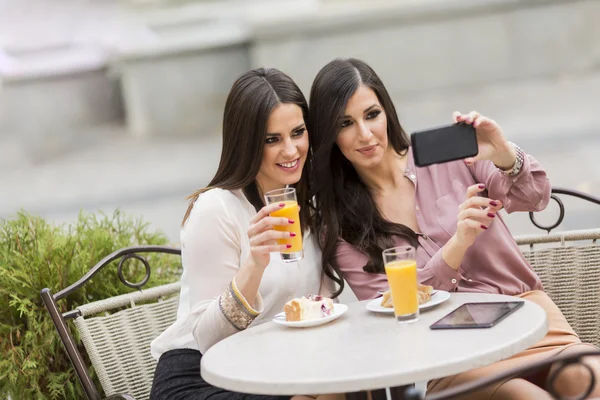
column 477, row 315
column 447, row 143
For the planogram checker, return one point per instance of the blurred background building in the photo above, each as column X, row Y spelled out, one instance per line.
column 107, row 103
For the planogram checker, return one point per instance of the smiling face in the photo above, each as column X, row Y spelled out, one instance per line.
column 285, row 150
column 363, row 136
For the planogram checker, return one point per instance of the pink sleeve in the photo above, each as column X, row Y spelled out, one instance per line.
column 351, row 262
column 437, row 273
column 529, row 190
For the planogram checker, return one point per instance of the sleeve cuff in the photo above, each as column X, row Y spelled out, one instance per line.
column 236, row 309
column 445, row 276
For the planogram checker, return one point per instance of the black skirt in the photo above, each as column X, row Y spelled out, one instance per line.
column 177, row 377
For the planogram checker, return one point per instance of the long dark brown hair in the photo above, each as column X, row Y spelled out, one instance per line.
column 250, row 101
column 345, row 209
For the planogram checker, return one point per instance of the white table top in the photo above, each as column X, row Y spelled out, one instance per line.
column 363, row 350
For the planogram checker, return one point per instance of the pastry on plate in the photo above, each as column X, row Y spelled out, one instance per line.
column 308, row 307
column 423, row 291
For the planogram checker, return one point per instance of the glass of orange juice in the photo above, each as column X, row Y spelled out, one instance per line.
column 292, row 212
column 401, row 270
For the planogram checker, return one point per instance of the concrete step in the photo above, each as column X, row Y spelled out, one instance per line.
column 48, row 95
column 169, row 69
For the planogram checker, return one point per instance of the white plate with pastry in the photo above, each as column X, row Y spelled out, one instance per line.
column 308, row 311
column 428, row 298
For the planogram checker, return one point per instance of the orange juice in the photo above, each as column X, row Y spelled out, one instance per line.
column 290, row 211
column 402, row 278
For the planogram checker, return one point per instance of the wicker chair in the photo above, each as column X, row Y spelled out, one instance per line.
column 116, row 332
column 570, row 273
column 118, row 343
column 568, row 263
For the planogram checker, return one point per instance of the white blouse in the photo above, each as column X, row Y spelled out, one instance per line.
column 214, row 244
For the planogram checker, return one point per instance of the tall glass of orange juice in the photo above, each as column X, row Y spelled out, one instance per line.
column 292, row 212
column 401, row 270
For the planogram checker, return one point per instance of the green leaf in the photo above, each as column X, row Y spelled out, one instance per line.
column 35, row 254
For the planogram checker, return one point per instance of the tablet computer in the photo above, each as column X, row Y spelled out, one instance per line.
column 477, row 315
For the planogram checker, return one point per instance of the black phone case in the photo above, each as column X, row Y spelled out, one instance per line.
column 448, row 143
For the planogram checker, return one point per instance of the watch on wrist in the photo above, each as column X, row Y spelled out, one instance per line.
column 516, row 168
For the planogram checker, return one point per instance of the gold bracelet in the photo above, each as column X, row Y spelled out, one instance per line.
column 242, row 299
column 235, row 309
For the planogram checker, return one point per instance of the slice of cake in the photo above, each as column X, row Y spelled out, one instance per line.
column 308, row 307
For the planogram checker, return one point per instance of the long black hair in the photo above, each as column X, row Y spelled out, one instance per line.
column 345, row 208
column 251, row 100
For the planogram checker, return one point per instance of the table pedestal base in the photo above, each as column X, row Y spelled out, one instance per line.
column 407, row 392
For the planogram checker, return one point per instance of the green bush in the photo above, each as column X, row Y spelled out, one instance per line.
column 35, row 254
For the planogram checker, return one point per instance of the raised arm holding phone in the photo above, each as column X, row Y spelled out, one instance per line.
column 371, row 196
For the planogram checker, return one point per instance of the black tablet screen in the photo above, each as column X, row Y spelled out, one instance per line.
column 477, row 315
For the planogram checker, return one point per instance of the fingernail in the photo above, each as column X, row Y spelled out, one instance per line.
column 292, row 234
column 493, row 203
column 281, row 204
column 291, row 221
column 491, row 215
column 483, row 227
column 481, row 186
column 289, row 246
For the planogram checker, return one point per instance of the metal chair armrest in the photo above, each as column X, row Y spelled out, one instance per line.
column 561, row 362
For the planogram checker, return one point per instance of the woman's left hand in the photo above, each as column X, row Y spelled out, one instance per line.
column 492, row 144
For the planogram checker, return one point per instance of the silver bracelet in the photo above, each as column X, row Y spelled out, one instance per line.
column 516, row 168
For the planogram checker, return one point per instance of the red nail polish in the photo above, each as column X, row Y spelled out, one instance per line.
column 491, row 215
column 483, row 227
column 281, row 204
column 493, row 203
column 291, row 221
column 481, row 186
column 289, row 246
column 292, row 234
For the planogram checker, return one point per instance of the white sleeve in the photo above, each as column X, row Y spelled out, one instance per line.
column 211, row 246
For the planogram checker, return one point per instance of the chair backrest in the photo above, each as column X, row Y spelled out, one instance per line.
column 570, row 272
column 116, row 332
column 118, row 343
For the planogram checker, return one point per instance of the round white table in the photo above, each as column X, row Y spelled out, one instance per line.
column 363, row 350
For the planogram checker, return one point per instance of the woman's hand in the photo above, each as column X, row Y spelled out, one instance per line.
column 492, row 144
column 263, row 237
column 475, row 215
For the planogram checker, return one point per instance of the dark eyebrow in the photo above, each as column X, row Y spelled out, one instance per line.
column 366, row 110
column 370, row 108
column 293, row 130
